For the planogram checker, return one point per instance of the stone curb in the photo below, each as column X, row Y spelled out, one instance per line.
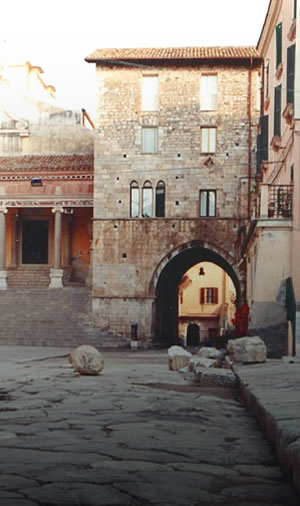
column 283, row 434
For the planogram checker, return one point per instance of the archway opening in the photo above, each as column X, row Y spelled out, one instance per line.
column 206, row 304
column 166, row 317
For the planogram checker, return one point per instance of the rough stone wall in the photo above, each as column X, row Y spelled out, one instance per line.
column 127, row 251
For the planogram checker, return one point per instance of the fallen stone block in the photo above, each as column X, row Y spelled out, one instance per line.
column 202, row 362
column 87, row 360
column 214, row 377
column 247, row 350
column 213, row 353
column 178, row 358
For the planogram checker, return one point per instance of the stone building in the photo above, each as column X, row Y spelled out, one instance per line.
column 272, row 243
column 174, row 165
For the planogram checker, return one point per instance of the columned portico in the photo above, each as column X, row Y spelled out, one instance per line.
column 56, row 273
column 3, row 272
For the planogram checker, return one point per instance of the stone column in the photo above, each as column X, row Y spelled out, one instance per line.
column 56, row 274
column 3, row 272
column 14, row 241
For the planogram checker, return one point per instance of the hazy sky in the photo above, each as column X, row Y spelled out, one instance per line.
column 58, row 34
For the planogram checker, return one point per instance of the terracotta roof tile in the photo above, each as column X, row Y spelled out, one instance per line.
column 177, row 53
column 44, row 163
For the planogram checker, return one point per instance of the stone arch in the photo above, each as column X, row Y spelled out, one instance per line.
column 165, row 280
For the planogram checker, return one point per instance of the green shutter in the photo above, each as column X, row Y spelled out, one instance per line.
column 264, row 138
column 278, row 44
column 290, row 74
column 277, row 110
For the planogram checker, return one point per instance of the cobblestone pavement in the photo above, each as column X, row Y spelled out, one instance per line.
column 136, row 435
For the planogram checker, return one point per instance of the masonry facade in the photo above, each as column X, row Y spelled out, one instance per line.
column 174, row 161
column 272, row 243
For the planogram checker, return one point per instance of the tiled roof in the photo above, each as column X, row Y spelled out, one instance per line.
column 175, row 53
column 47, row 163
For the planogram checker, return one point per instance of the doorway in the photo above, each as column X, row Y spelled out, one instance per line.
column 35, row 241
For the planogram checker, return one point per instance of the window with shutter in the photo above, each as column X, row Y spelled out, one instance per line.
column 277, row 111
column 278, row 44
column 264, row 138
column 290, row 74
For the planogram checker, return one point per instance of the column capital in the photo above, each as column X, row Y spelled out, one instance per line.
column 58, row 209
column 3, row 210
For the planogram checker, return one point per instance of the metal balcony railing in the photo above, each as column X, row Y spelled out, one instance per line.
column 275, row 201
column 280, row 202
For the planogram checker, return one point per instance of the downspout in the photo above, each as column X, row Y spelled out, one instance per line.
column 249, row 135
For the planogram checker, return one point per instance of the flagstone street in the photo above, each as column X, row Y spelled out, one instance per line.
column 136, row 435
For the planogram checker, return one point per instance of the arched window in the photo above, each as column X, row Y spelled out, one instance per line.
column 134, row 199
column 160, row 199
column 147, row 200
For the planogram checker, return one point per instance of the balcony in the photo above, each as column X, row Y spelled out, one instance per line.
column 276, row 201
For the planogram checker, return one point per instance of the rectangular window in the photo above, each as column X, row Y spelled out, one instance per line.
column 264, row 138
column 147, row 195
column 208, row 295
column 150, row 93
column 207, row 202
column 150, row 139
column 278, row 44
column 277, row 110
column 134, row 202
column 208, row 140
column 290, row 74
column 208, row 93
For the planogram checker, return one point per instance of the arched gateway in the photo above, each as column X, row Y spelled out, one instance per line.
column 167, row 277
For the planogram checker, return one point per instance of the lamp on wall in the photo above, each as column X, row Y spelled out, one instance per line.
column 36, row 181
column 201, row 271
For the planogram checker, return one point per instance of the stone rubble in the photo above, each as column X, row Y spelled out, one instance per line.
column 87, row 360
column 178, row 358
column 247, row 350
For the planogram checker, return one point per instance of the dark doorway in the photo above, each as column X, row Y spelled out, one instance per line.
column 166, row 304
column 35, row 241
column 193, row 335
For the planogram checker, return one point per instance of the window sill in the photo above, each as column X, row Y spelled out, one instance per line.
column 267, row 103
column 288, row 113
column 276, row 142
column 292, row 31
column 279, row 71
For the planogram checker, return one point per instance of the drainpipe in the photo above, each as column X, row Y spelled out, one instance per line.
column 249, row 134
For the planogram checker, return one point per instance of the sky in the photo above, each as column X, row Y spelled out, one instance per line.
column 58, row 34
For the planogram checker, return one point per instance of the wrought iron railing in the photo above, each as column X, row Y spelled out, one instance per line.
column 280, row 201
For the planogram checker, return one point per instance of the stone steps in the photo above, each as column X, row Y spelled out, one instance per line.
column 51, row 317
column 29, row 277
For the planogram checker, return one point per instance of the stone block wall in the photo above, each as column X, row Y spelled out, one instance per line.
column 128, row 252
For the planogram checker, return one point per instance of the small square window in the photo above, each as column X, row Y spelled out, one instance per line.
column 149, row 140
column 208, row 139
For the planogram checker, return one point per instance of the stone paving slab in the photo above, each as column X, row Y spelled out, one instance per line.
column 272, row 392
column 137, row 435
